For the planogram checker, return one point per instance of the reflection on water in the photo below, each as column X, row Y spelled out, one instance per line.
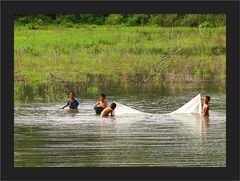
column 58, row 91
column 205, row 125
column 46, row 136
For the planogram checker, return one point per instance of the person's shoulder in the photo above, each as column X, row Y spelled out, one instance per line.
column 205, row 105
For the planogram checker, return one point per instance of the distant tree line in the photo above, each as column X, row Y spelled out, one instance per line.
column 163, row 20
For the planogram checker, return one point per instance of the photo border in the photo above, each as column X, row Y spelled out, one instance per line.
column 11, row 8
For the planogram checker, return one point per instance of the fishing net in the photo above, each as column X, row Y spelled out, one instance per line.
column 121, row 109
column 194, row 106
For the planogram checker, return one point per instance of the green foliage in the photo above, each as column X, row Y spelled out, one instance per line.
column 206, row 25
column 115, row 19
column 91, row 90
column 32, row 26
column 69, row 18
column 164, row 20
column 197, row 74
column 23, row 19
column 137, row 20
column 85, row 58
column 191, row 20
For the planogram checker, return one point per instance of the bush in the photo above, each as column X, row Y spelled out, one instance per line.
column 67, row 24
column 24, row 19
column 206, row 25
column 137, row 19
column 115, row 19
column 190, row 20
column 36, row 19
column 165, row 20
column 32, row 26
column 69, row 18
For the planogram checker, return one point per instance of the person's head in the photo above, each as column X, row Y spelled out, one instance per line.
column 206, row 99
column 71, row 94
column 113, row 105
column 102, row 97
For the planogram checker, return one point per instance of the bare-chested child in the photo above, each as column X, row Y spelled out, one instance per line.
column 205, row 109
column 101, row 104
column 108, row 109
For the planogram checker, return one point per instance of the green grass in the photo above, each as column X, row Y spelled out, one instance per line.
column 98, row 54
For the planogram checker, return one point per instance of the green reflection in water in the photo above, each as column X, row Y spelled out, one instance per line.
column 58, row 91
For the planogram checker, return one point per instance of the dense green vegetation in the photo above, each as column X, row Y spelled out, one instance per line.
column 163, row 20
column 128, row 54
column 87, row 57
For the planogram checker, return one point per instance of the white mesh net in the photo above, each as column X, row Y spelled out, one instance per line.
column 121, row 109
column 194, row 106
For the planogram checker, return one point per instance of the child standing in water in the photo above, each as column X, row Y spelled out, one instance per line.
column 72, row 101
column 205, row 109
column 108, row 109
column 101, row 104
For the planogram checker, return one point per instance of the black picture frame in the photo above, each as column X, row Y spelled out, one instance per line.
column 11, row 8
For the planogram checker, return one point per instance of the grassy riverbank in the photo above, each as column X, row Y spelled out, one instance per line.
column 123, row 55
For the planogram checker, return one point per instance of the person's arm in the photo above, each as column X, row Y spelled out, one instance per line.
column 112, row 113
column 97, row 103
column 77, row 103
column 65, row 105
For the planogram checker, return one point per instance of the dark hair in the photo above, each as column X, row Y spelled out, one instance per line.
column 103, row 95
column 113, row 105
column 72, row 93
column 208, row 98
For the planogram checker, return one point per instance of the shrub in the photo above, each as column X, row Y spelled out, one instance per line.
column 206, row 25
column 137, row 19
column 115, row 19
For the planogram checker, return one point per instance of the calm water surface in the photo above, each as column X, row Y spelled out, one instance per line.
column 45, row 136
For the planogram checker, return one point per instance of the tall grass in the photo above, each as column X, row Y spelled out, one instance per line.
column 121, row 52
column 99, row 54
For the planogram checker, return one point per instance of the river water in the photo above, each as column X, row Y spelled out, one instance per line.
column 46, row 136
